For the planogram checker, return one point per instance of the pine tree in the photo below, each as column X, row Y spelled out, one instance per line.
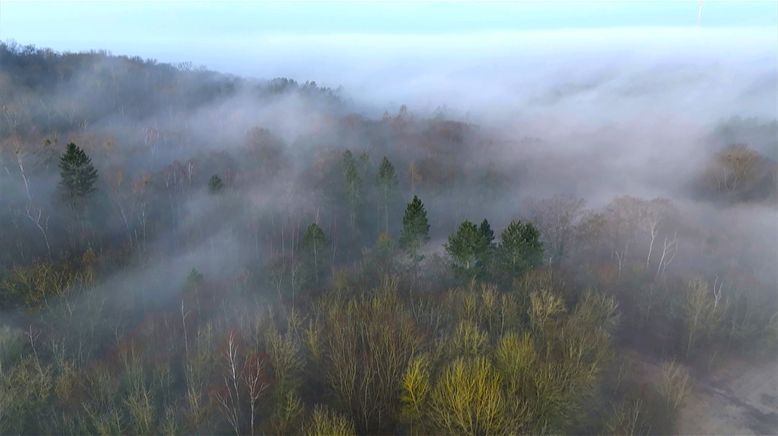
column 467, row 247
column 215, row 184
column 353, row 186
column 387, row 180
column 488, row 254
column 78, row 175
column 415, row 230
column 520, row 249
column 487, row 232
column 314, row 244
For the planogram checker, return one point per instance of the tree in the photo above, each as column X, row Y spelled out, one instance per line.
column 633, row 222
column 556, row 218
column 353, row 186
column 383, row 253
column 387, row 181
column 314, row 244
column 487, row 257
column 487, row 233
column 520, row 249
column 78, row 175
column 467, row 248
column 215, row 184
column 415, row 230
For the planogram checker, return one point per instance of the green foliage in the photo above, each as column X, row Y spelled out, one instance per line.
column 353, row 185
column 486, row 231
column 313, row 252
column 387, row 182
column 415, row 230
column 77, row 175
column 520, row 249
column 194, row 279
column 469, row 250
column 215, row 184
column 351, row 354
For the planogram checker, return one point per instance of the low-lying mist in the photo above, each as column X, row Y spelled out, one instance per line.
column 645, row 160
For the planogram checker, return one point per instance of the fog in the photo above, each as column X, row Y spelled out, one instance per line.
column 616, row 143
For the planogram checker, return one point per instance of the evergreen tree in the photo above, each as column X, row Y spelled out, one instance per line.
column 415, row 230
column 353, row 183
column 467, row 248
column 487, row 232
column 215, row 184
column 387, row 181
column 487, row 257
column 520, row 249
column 313, row 246
column 78, row 175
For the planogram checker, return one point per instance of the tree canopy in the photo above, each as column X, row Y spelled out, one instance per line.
column 416, row 228
column 520, row 249
column 77, row 174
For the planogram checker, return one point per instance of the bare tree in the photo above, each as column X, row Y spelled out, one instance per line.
column 34, row 214
column 669, row 249
column 229, row 399
column 636, row 222
column 556, row 218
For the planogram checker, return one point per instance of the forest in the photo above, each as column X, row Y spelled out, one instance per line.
column 190, row 252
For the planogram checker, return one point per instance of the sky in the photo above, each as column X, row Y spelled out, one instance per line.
column 160, row 28
column 423, row 53
column 68, row 23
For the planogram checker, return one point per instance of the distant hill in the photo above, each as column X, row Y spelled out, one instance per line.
column 44, row 89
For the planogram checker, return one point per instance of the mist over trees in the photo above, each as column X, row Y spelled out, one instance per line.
column 185, row 251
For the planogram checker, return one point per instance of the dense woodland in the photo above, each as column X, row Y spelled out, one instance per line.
column 176, row 256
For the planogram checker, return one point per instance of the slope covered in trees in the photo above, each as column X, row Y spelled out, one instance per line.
column 189, row 252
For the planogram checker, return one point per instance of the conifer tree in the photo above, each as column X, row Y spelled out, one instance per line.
column 387, row 180
column 314, row 244
column 520, row 249
column 215, row 184
column 490, row 248
column 466, row 247
column 486, row 231
column 78, row 175
column 353, row 183
column 415, row 230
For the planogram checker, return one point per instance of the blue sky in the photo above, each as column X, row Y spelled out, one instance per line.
column 321, row 40
column 82, row 25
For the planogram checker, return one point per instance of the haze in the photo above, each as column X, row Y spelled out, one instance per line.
column 388, row 217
